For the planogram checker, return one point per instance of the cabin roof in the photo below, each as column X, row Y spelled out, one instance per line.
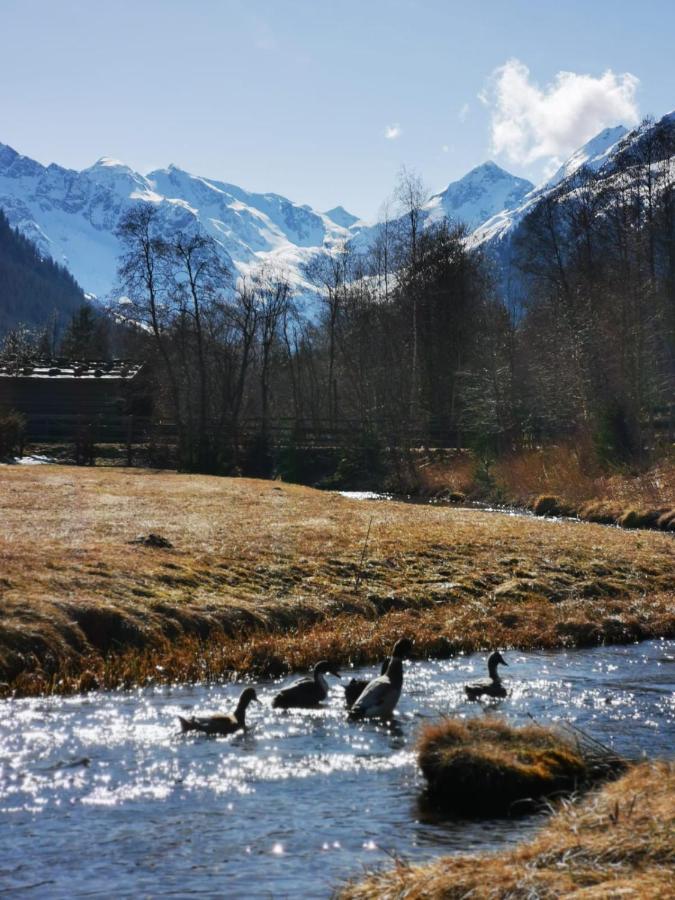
column 74, row 370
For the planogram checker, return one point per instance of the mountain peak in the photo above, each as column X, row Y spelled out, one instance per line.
column 484, row 191
column 341, row 217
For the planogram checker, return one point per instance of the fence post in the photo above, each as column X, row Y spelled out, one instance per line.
column 130, row 437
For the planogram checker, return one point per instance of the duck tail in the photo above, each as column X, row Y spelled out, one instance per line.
column 186, row 724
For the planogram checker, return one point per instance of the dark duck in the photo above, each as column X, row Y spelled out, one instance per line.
column 491, row 687
column 306, row 692
column 222, row 723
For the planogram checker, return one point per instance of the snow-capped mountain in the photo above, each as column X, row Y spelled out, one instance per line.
column 72, row 216
column 497, row 237
column 479, row 195
column 594, row 155
column 483, row 192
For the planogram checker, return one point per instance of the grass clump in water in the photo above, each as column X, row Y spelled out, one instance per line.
column 485, row 767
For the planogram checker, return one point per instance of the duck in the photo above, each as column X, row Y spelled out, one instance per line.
column 380, row 696
column 357, row 686
column 493, row 687
column 307, row 691
column 222, row 723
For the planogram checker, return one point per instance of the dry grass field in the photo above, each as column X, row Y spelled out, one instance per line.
column 616, row 843
column 264, row 577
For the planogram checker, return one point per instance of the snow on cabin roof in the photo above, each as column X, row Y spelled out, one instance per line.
column 60, row 369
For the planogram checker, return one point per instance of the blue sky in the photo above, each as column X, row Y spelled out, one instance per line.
column 324, row 101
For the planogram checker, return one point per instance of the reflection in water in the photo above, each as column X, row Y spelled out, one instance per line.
column 104, row 795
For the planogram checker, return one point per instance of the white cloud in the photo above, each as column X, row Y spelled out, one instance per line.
column 391, row 132
column 463, row 112
column 445, row 148
column 531, row 123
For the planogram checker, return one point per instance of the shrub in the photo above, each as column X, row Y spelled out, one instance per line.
column 549, row 505
column 639, row 518
column 599, row 512
column 258, row 458
column 361, row 466
column 666, row 521
column 12, row 427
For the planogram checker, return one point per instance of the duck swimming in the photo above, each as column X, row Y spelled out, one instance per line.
column 307, row 691
column 493, row 687
column 224, row 723
column 357, row 686
column 380, row 696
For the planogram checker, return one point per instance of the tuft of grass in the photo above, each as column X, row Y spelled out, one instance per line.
column 616, row 842
column 550, row 505
column 485, row 767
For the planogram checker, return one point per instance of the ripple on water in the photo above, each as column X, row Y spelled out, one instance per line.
column 298, row 802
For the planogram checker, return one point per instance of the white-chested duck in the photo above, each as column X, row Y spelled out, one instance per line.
column 380, row 696
column 222, row 723
column 306, row 692
column 492, row 687
column 357, row 686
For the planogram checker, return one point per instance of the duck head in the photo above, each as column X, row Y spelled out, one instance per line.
column 248, row 695
column 325, row 668
column 402, row 648
column 495, row 659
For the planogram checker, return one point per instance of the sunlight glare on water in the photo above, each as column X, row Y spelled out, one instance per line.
column 105, row 796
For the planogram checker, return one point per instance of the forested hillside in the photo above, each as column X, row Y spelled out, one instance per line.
column 32, row 289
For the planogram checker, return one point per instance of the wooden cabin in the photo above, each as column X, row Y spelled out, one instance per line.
column 58, row 397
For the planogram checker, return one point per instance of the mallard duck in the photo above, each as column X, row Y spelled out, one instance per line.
column 493, row 687
column 380, row 696
column 306, row 691
column 223, row 723
column 357, row 686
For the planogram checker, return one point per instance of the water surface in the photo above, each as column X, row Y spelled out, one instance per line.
column 100, row 795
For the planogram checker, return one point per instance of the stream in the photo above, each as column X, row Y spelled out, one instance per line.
column 101, row 796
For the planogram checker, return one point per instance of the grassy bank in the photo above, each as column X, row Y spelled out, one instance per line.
column 618, row 842
column 560, row 481
column 263, row 577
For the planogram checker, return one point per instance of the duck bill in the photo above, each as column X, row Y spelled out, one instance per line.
column 336, row 673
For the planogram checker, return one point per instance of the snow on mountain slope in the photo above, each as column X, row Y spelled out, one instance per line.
column 72, row 216
column 477, row 196
column 341, row 217
column 609, row 152
column 594, row 155
column 480, row 194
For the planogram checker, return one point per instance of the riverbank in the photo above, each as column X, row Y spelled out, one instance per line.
column 615, row 842
column 263, row 577
column 558, row 481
